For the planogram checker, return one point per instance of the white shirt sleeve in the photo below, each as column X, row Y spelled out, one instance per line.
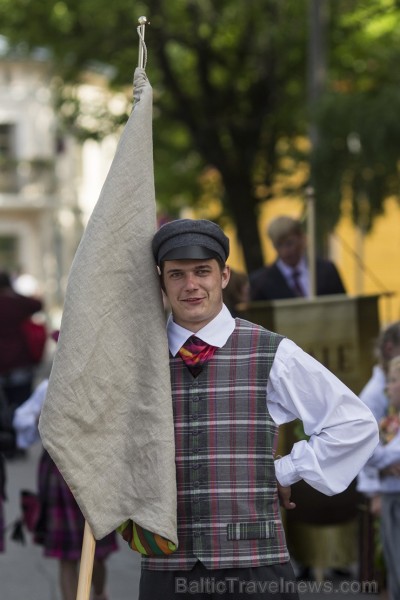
column 385, row 455
column 343, row 431
column 26, row 417
column 373, row 393
column 368, row 481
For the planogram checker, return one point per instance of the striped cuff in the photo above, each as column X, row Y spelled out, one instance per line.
column 285, row 471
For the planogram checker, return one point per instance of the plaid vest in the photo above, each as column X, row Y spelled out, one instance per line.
column 228, row 508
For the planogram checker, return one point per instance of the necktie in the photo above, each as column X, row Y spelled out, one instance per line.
column 195, row 353
column 296, row 283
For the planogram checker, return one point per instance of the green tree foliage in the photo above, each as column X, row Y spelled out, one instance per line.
column 358, row 116
column 229, row 81
column 221, row 64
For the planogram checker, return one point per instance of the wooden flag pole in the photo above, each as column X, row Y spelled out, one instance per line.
column 89, row 543
column 86, row 566
column 311, row 245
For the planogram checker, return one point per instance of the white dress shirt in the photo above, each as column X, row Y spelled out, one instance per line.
column 303, row 271
column 373, row 393
column 343, row 432
column 369, row 481
column 26, row 417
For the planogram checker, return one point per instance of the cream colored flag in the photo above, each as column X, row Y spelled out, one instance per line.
column 107, row 419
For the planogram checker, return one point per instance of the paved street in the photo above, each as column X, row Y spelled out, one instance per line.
column 26, row 575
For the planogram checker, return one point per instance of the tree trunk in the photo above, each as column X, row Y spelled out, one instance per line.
column 243, row 210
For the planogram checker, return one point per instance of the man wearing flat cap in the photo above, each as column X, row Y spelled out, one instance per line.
column 233, row 383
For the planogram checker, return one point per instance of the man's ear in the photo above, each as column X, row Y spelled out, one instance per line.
column 226, row 275
column 161, row 279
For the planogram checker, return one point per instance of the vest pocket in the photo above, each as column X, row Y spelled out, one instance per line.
column 261, row 530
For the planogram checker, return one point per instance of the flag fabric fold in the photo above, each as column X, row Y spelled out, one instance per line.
column 107, row 419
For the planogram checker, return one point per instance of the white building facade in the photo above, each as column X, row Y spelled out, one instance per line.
column 48, row 182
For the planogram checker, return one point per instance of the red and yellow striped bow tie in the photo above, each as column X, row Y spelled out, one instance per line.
column 195, row 353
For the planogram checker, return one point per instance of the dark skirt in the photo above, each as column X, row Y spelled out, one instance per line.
column 1, row 525
column 61, row 523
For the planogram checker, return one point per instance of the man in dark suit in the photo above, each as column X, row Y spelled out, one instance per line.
column 288, row 276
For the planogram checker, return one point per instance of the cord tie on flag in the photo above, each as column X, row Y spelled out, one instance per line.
column 142, row 45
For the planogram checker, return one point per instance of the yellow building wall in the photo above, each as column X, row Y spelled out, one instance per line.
column 368, row 263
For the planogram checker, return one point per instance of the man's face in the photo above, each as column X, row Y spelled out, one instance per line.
column 194, row 290
column 291, row 248
column 389, row 351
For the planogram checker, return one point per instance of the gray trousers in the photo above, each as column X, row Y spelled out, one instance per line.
column 390, row 532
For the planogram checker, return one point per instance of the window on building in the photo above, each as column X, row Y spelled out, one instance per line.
column 8, row 172
column 8, row 252
column 7, row 140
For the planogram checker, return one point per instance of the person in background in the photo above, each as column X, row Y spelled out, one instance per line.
column 373, row 393
column 236, row 292
column 17, row 366
column 233, row 383
column 380, row 480
column 25, row 284
column 7, row 445
column 288, row 276
column 2, row 493
column 60, row 524
column 2, row 497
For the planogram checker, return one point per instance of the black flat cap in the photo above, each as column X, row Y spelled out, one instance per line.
column 190, row 239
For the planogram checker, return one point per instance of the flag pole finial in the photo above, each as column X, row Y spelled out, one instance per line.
column 142, row 46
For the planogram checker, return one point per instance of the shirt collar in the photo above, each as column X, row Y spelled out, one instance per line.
column 216, row 332
column 301, row 267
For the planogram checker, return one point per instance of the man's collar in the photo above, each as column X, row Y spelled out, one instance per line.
column 216, row 332
column 288, row 271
